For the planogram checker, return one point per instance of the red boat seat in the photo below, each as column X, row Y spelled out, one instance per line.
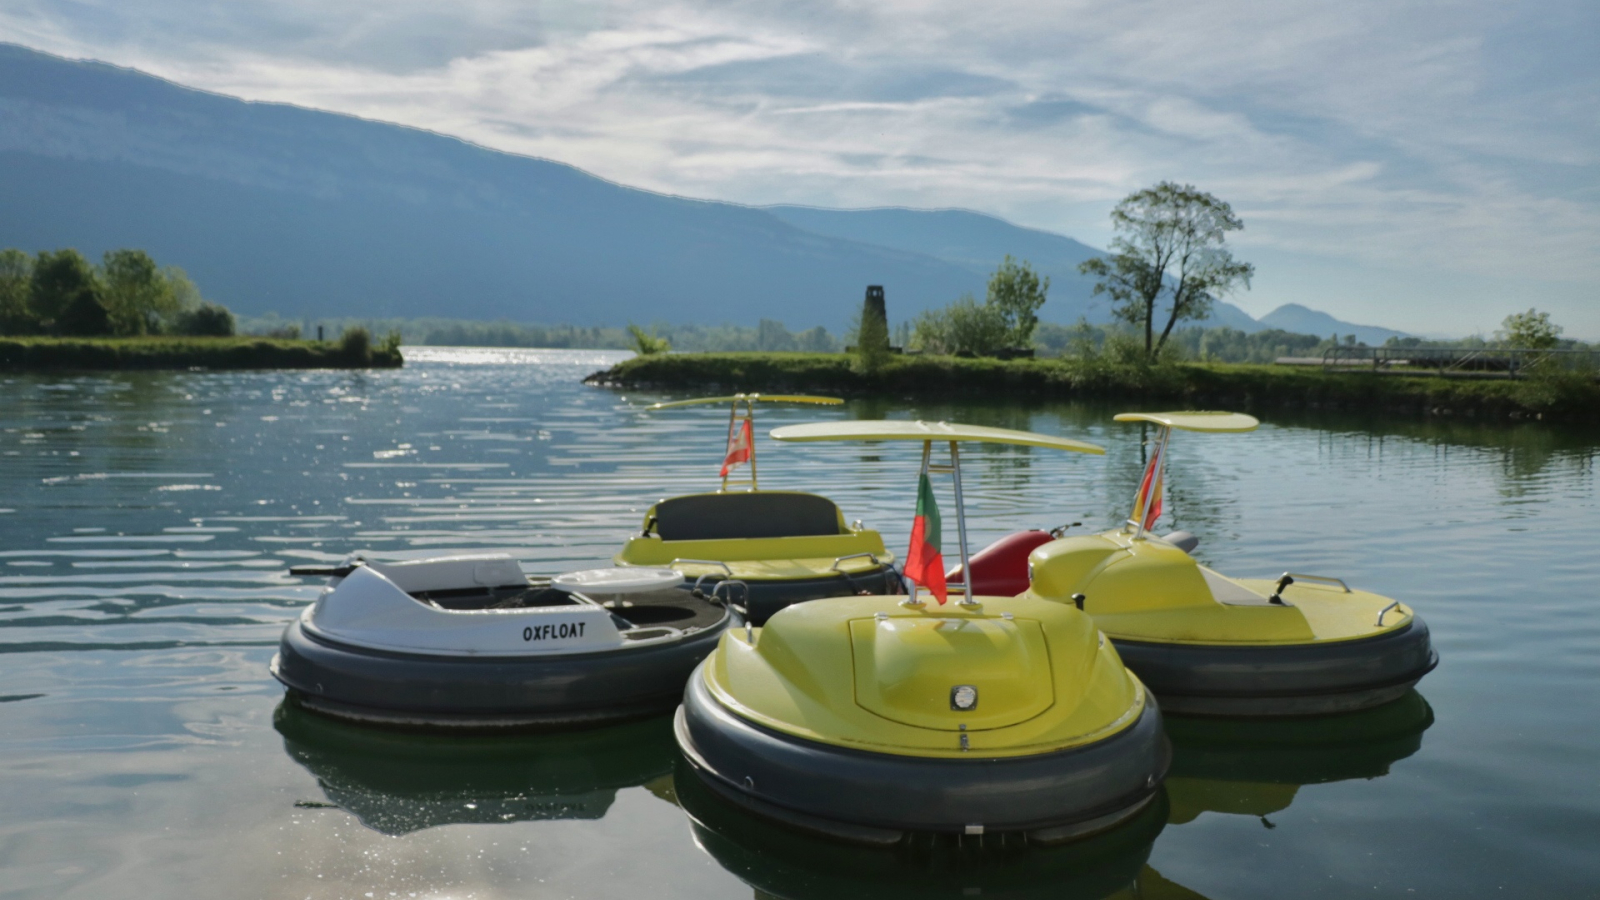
column 1001, row 569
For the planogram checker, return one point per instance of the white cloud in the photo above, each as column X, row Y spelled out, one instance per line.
column 1415, row 138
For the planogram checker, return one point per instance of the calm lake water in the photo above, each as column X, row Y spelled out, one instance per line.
column 147, row 519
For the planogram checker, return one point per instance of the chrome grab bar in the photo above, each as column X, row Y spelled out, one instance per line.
column 743, row 611
column 1326, row 579
column 1384, row 611
column 702, row 562
column 871, row 556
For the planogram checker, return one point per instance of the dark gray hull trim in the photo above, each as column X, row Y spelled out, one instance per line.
column 876, row 797
column 413, row 690
column 767, row 597
column 1283, row 681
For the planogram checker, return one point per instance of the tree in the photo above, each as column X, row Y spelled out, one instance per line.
column 1170, row 245
column 1531, row 330
column 60, row 279
column 137, row 295
column 16, row 283
column 771, row 335
column 965, row 326
column 1017, row 292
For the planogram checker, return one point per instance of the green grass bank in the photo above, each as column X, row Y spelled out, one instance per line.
column 45, row 353
column 1193, row 385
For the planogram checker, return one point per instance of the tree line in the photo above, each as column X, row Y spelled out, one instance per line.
column 60, row 292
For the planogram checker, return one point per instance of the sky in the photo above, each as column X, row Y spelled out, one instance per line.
column 1427, row 166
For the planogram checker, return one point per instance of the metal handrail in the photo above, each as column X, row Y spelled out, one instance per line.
column 1511, row 360
column 1384, row 611
column 1326, row 579
column 702, row 562
column 871, row 556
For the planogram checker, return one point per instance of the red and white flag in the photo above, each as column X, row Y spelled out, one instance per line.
column 739, row 443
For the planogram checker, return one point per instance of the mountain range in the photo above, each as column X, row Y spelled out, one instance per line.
column 277, row 208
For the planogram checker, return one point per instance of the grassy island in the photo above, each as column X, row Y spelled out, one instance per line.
column 1196, row 385
column 169, row 352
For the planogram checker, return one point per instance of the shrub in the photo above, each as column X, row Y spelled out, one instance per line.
column 208, row 320
column 647, row 343
column 355, row 344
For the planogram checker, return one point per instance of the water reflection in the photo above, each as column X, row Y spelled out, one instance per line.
column 1255, row 767
column 778, row 862
column 398, row 782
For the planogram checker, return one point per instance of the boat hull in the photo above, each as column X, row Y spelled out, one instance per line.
column 415, row 690
column 877, row 798
column 1290, row 680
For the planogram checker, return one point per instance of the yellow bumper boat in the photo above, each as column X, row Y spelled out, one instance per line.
column 772, row 548
column 870, row 717
column 1209, row 644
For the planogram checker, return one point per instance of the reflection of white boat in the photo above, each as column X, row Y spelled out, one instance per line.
column 470, row 641
column 396, row 782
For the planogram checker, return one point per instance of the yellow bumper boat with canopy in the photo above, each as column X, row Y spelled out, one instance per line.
column 762, row 549
column 1300, row 644
column 871, row 717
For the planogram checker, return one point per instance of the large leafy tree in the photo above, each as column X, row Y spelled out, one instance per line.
column 1017, row 292
column 137, row 294
column 1171, row 247
column 63, row 280
column 1531, row 330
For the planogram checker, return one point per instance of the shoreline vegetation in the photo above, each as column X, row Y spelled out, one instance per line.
column 354, row 350
column 1571, row 397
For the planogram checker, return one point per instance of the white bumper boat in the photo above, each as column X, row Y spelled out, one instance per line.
column 472, row 642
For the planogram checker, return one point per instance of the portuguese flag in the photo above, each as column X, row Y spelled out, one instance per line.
column 739, row 444
column 924, row 562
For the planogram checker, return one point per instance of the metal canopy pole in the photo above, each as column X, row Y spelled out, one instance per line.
column 735, row 422
column 961, row 526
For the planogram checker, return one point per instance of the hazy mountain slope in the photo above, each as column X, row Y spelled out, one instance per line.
column 978, row 242
column 1302, row 320
column 273, row 207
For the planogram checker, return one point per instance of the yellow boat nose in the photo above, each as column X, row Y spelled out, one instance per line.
column 951, row 673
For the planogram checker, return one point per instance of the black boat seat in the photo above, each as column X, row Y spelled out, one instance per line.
column 757, row 514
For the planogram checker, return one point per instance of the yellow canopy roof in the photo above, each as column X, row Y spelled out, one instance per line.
column 905, row 430
column 1195, row 420
column 769, row 398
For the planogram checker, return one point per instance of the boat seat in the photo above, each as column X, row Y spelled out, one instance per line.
column 757, row 514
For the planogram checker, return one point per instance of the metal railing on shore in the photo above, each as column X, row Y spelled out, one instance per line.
column 1478, row 362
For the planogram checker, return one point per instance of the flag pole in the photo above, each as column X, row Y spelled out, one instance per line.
column 961, row 525
column 750, row 416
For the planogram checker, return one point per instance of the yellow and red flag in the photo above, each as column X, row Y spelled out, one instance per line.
column 1149, row 498
column 739, row 444
column 924, row 561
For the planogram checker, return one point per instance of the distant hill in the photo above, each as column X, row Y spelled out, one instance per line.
column 277, row 208
column 273, row 207
column 1302, row 320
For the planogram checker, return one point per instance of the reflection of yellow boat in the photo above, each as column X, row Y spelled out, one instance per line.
column 1255, row 767
column 872, row 717
column 1206, row 643
column 779, row 547
column 779, row 862
column 398, row 782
